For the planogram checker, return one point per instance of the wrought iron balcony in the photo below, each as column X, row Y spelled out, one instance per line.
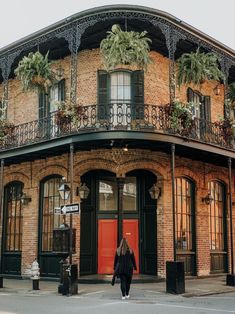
column 128, row 117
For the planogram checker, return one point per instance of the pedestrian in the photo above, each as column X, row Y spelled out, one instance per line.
column 124, row 262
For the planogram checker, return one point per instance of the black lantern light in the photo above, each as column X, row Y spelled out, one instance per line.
column 217, row 89
column 155, row 191
column 83, row 191
column 25, row 199
column 64, row 189
column 208, row 199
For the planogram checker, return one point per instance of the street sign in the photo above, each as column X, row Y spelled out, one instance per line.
column 57, row 211
column 70, row 208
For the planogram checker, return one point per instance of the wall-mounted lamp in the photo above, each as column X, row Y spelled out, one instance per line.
column 83, row 191
column 59, row 72
column 64, row 189
column 125, row 149
column 208, row 199
column 155, row 192
column 217, row 90
column 25, row 199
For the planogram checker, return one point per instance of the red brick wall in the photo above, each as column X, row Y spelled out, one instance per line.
column 23, row 107
column 121, row 162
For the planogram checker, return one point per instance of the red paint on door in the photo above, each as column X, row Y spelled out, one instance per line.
column 131, row 233
column 107, row 245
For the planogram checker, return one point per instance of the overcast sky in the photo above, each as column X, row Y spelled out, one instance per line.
column 23, row 17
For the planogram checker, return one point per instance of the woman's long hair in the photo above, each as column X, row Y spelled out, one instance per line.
column 123, row 247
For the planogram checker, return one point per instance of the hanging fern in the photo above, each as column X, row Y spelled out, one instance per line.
column 231, row 93
column 197, row 67
column 127, row 48
column 35, row 72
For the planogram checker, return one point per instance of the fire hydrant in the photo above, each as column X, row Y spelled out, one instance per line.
column 35, row 274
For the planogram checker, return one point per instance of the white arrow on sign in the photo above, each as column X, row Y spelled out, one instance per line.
column 70, row 208
column 63, row 209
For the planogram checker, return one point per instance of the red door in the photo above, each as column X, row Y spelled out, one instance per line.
column 131, row 233
column 107, row 245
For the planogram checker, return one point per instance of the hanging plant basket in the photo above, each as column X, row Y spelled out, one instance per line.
column 125, row 48
column 35, row 72
column 197, row 67
column 231, row 94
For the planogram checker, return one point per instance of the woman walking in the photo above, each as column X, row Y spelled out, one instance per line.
column 124, row 263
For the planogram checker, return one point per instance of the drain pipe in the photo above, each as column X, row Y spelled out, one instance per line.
column 231, row 277
column 1, row 216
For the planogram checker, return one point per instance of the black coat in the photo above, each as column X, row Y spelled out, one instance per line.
column 124, row 264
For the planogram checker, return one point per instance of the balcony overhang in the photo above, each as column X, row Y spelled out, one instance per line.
column 185, row 148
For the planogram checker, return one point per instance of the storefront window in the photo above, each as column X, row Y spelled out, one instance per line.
column 108, row 194
column 51, row 200
column 14, row 217
column 216, row 221
column 184, row 216
column 129, row 194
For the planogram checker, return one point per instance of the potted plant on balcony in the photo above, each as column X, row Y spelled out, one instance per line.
column 231, row 94
column 180, row 117
column 197, row 67
column 35, row 72
column 6, row 130
column 67, row 114
column 226, row 128
column 125, row 48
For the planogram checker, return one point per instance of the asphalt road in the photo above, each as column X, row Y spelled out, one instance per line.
column 108, row 300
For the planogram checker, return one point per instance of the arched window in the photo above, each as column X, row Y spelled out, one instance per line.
column 12, row 229
column 50, row 200
column 185, row 229
column 13, row 234
column 217, row 227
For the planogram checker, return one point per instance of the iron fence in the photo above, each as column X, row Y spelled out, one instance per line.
column 117, row 116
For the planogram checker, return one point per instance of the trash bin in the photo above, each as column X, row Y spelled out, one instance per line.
column 1, row 281
column 74, row 279
column 230, row 280
column 175, row 281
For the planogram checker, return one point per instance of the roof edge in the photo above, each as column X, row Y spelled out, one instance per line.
column 119, row 7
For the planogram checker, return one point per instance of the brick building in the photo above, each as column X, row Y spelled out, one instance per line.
column 118, row 151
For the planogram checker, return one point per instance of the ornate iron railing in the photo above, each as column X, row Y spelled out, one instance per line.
column 117, row 116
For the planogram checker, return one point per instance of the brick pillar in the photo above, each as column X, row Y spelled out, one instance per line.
column 30, row 231
column 165, row 250
column 202, row 234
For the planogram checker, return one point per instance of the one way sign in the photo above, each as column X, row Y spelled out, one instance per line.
column 67, row 209
column 70, row 208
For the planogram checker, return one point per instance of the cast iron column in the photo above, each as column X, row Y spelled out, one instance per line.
column 175, row 281
column 1, row 215
column 1, row 189
column 120, row 185
column 71, row 201
column 173, row 194
column 231, row 276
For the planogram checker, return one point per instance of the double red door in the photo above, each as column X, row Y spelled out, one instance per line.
column 107, row 242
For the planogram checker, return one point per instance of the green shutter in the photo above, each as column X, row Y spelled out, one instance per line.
column 42, row 110
column 61, row 90
column 190, row 94
column 103, row 95
column 137, row 94
column 207, row 105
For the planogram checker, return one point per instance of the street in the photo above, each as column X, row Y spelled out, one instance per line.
column 106, row 299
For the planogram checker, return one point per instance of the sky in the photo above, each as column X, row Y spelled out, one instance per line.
column 20, row 18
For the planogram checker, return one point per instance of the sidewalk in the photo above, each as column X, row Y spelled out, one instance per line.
column 193, row 287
